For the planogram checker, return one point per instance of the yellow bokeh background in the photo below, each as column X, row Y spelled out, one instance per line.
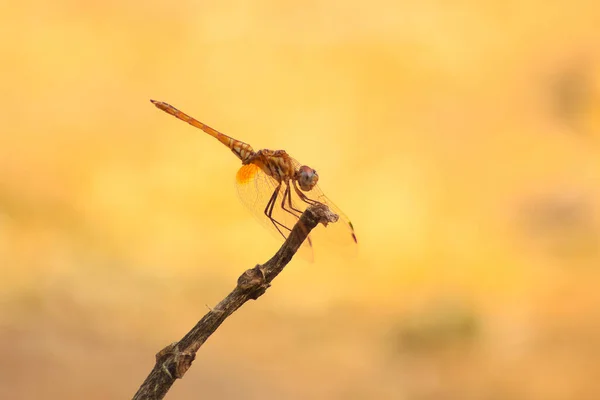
column 463, row 140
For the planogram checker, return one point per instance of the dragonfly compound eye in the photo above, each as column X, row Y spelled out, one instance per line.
column 307, row 178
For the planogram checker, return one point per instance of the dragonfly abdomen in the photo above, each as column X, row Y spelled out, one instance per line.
column 243, row 150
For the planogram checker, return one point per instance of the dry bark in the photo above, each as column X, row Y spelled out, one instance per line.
column 173, row 361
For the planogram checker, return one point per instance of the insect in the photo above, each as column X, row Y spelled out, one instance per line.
column 272, row 185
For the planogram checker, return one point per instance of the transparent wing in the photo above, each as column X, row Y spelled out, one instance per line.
column 340, row 233
column 256, row 189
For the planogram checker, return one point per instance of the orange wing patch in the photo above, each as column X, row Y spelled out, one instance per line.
column 246, row 174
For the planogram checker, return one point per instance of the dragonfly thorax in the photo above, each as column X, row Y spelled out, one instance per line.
column 275, row 163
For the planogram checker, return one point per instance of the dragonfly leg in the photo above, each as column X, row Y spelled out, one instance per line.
column 269, row 212
column 287, row 195
column 289, row 198
column 304, row 197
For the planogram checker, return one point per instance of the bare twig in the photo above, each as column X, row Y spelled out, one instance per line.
column 173, row 361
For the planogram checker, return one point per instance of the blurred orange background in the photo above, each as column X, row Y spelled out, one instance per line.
column 462, row 139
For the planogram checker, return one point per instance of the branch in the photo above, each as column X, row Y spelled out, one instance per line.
column 173, row 361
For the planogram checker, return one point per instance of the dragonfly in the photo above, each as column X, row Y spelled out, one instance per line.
column 275, row 187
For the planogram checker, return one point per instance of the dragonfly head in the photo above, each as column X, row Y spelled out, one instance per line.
column 307, row 178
